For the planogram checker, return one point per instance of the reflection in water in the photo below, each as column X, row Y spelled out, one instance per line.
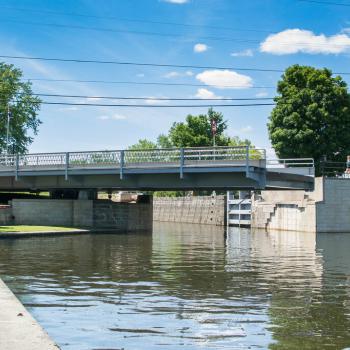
column 186, row 286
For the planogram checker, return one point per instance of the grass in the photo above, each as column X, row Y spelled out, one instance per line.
column 27, row 228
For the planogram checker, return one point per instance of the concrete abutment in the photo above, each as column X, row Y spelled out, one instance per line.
column 83, row 213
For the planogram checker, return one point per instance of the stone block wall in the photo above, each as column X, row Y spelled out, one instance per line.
column 6, row 217
column 126, row 216
column 284, row 210
column 333, row 212
column 210, row 210
column 326, row 209
column 44, row 212
column 98, row 214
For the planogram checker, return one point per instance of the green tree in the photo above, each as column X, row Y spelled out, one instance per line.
column 164, row 142
column 312, row 115
column 143, row 144
column 17, row 97
column 196, row 131
column 236, row 141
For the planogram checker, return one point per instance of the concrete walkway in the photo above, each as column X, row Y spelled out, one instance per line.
column 18, row 329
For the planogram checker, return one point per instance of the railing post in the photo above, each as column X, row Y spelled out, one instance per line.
column 17, row 167
column 66, row 166
column 182, row 162
column 247, row 161
column 122, row 160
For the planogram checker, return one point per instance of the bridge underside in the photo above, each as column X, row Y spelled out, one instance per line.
column 225, row 178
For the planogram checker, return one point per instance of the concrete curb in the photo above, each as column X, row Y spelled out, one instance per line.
column 16, row 235
column 18, row 329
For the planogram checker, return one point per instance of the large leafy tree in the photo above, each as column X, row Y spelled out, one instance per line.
column 312, row 115
column 17, row 99
column 194, row 132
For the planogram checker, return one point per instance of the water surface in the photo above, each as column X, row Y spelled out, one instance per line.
column 185, row 287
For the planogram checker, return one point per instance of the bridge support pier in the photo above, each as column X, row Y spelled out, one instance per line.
column 87, row 194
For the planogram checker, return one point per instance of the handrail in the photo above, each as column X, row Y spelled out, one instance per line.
column 225, row 156
column 290, row 162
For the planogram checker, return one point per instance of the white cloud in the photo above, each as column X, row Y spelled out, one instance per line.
column 225, row 79
column 174, row 74
column 69, row 109
column 178, row 2
column 199, row 48
column 262, row 94
column 292, row 41
column 93, row 99
column 244, row 53
column 204, row 93
column 140, row 75
column 152, row 100
column 112, row 117
column 246, row 129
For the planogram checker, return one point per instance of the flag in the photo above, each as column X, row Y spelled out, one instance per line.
column 213, row 127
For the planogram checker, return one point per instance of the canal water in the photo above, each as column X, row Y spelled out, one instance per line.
column 185, row 287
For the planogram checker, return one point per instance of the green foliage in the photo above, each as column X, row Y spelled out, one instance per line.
column 312, row 115
column 236, row 141
column 196, row 131
column 24, row 107
column 143, row 144
column 169, row 194
column 164, row 142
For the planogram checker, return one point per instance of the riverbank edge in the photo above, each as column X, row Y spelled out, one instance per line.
column 29, row 234
column 42, row 233
column 19, row 330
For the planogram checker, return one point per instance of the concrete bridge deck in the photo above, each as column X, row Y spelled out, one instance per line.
column 157, row 169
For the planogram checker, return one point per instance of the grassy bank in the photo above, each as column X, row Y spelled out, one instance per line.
column 27, row 228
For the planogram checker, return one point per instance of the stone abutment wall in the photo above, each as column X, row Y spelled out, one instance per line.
column 210, row 210
column 97, row 214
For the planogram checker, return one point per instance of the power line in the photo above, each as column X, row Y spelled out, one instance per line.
column 215, row 38
column 143, row 83
column 148, row 64
column 154, row 98
column 137, row 63
column 326, row 3
column 156, row 106
column 138, row 32
column 135, row 20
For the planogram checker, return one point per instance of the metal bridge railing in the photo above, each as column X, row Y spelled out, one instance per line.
column 176, row 157
column 290, row 163
column 333, row 169
column 134, row 158
column 304, row 166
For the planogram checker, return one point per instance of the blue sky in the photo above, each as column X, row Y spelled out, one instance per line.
column 263, row 33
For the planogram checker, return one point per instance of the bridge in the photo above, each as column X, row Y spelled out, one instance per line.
column 215, row 168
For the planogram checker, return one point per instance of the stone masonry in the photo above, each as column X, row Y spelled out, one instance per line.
column 97, row 214
column 326, row 209
column 210, row 210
